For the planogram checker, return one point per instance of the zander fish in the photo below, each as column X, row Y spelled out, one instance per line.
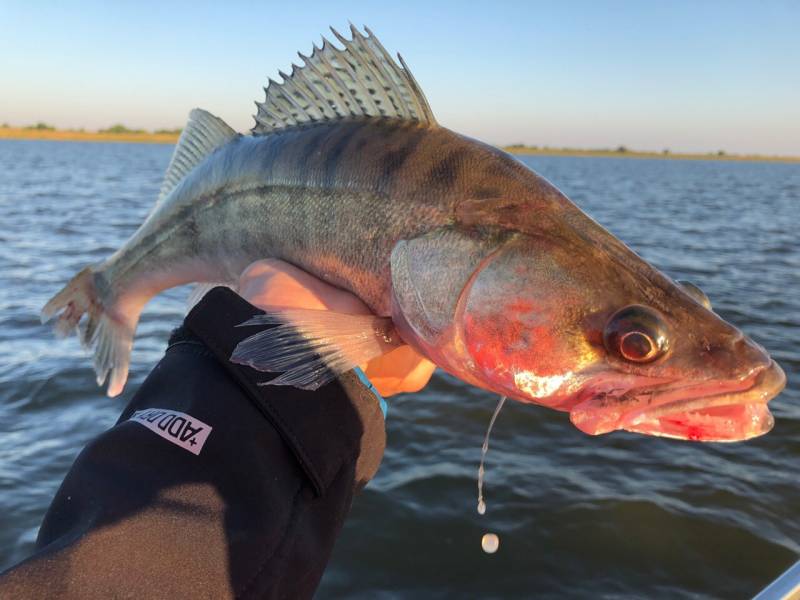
column 459, row 250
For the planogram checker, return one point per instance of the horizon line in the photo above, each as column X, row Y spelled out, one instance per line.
column 121, row 133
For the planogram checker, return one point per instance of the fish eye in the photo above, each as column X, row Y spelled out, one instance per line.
column 695, row 292
column 636, row 333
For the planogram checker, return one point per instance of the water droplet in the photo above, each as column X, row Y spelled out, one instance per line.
column 484, row 450
column 490, row 543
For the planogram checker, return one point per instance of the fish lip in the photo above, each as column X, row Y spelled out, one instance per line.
column 670, row 399
column 758, row 388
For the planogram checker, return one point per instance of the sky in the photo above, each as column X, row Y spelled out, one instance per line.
column 701, row 75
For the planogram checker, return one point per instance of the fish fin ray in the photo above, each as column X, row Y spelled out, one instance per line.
column 310, row 348
column 360, row 80
column 78, row 308
column 202, row 134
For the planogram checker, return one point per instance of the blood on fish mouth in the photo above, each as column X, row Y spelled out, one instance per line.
column 708, row 411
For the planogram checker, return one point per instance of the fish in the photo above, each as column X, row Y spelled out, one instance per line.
column 459, row 250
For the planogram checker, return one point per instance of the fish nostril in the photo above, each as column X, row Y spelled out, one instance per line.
column 735, row 356
column 752, row 356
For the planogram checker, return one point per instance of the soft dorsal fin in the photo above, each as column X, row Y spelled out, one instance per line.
column 202, row 135
column 360, row 81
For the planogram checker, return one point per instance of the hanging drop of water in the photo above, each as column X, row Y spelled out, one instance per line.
column 484, row 450
column 490, row 543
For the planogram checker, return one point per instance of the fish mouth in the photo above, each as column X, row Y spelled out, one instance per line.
column 709, row 411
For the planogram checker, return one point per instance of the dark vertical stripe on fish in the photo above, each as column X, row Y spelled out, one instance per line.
column 394, row 159
column 312, row 145
column 336, row 152
column 444, row 174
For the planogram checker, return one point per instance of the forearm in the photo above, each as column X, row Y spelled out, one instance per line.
column 209, row 484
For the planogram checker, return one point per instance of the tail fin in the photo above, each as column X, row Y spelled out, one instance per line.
column 111, row 337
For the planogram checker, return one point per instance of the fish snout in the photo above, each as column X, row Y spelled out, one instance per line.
column 736, row 358
column 769, row 382
column 750, row 357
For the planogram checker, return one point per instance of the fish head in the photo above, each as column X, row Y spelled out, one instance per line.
column 586, row 326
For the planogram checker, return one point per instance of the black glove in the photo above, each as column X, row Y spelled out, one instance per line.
column 209, row 485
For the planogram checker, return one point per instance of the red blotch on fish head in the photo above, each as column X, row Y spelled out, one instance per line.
column 502, row 345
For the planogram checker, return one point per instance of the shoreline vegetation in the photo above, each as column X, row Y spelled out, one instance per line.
column 120, row 133
column 624, row 152
column 115, row 133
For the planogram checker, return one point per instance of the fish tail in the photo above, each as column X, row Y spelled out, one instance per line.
column 110, row 334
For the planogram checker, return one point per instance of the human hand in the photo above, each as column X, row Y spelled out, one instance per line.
column 272, row 283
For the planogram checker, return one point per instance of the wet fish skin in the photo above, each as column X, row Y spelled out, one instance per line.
column 481, row 265
column 333, row 199
column 503, row 274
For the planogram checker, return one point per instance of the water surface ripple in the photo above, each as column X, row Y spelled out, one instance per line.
column 614, row 516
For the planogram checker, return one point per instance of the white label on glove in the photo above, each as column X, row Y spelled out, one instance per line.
column 179, row 428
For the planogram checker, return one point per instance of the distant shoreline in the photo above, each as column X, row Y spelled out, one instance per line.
column 608, row 153
column 66, row 135
column 61, row 135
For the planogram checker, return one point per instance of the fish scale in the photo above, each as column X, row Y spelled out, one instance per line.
column 460, row 251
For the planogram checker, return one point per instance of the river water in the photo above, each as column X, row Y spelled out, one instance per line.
column 613, row 516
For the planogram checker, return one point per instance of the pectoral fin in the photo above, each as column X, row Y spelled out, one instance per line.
column 312, row 347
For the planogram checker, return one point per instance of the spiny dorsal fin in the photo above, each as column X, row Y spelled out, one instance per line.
column 360, row 81
column 202, row 135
